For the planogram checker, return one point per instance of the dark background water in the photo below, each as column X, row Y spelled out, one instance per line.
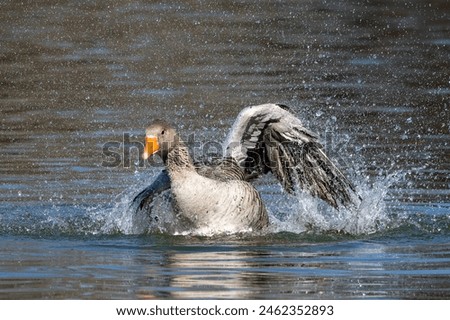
column 371, row 77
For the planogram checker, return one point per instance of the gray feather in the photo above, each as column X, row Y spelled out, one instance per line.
column 288, row 150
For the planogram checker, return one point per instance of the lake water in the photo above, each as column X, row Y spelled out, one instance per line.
column 371, row 77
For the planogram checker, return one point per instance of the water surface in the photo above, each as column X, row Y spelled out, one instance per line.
column 370, row 77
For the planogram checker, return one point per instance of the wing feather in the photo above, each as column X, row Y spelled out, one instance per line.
column 145, row 198
column 269, row 138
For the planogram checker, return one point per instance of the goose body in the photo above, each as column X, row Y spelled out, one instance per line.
column 222, row 206
column 220, row 198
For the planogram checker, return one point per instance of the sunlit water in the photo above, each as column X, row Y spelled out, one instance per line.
column 371, row 79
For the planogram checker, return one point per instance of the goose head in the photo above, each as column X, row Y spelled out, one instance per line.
column 160, row 138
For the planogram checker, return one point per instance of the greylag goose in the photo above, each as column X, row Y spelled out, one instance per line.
column 220, row 198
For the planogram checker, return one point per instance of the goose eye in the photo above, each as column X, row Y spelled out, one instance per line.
column 162, row 132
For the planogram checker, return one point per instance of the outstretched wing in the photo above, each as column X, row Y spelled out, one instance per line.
column 269, row 138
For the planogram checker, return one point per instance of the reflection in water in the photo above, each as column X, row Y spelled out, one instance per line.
column 131, row 268
column 328, row 272
column 209, row 274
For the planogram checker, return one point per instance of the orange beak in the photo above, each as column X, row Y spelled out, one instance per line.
column 151, row 146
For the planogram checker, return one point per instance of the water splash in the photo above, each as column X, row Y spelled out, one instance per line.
column 37, row 219
column 122, row 218
column 299, row 214
column 310, row 214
